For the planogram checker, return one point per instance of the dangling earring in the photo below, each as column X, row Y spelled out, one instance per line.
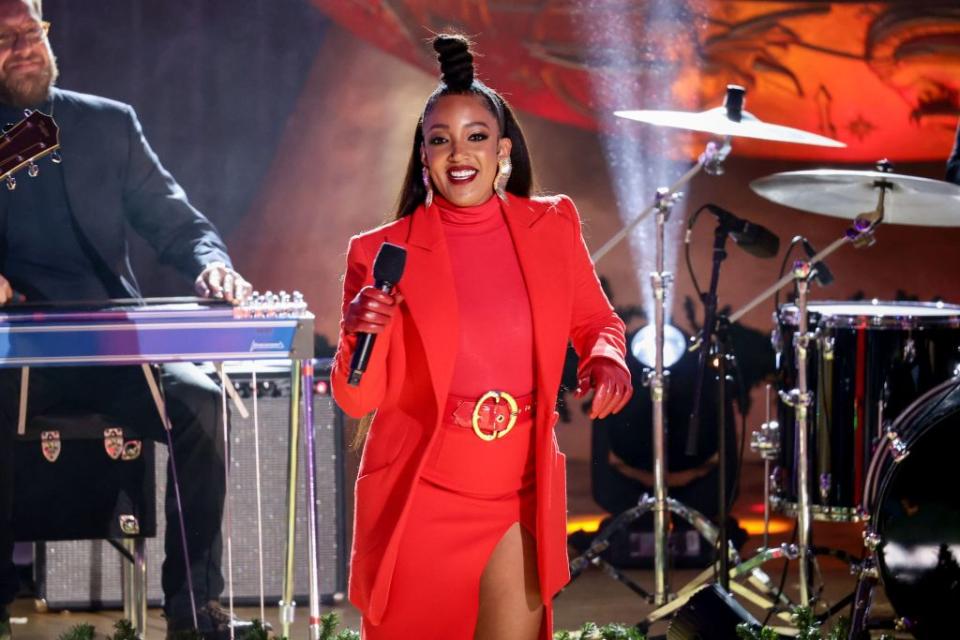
column 503, row 177
column 426, row 183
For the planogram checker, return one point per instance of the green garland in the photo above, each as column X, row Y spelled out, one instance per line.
column 808, row 628
column 590, row 631
column 807, row 625
column 125, row 631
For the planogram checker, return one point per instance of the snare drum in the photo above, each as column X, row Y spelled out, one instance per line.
column 867, row 362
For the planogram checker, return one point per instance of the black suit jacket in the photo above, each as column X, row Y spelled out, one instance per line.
column 113, row 178
column 953, row 164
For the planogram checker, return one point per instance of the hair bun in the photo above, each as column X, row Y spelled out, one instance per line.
column 456, row 61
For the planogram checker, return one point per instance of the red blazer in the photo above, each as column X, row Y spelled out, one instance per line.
column 411, row 365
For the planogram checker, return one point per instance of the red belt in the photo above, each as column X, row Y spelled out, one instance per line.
column 491, row 416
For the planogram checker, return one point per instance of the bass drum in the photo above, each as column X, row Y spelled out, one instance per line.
column 914, row 526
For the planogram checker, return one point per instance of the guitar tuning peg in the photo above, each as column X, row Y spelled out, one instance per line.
column 27, row 113
column 7, row 127
column 56, row 158
column 11, row 183
column 33, row 170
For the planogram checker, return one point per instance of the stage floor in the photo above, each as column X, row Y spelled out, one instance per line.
column 592, row 597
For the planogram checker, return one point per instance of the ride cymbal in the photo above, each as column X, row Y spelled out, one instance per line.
column 846, row 194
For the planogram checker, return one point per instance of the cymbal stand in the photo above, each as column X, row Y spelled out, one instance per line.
column 710, row 160
column 660, row 280
column 800, row 398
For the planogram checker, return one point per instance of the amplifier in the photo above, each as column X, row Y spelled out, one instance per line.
column 86, row 574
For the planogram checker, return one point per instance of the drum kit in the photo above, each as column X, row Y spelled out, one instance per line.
column 869, row 397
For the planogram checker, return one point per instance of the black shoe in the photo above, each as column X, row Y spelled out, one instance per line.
column 214, row 622
column 6, row 633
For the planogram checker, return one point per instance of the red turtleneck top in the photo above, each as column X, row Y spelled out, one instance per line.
column 496, row 329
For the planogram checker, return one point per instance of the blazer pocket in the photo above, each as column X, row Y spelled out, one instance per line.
column 384, row 442
column 371, row 496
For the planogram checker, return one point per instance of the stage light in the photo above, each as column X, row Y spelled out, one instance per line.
column 587, row 523
column 709, row 614
column 643, row 346
column 754, row 526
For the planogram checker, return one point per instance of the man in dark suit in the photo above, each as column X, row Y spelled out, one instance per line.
column 62, row 238
column 953, row 164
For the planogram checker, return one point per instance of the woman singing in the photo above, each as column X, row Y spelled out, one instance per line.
column 460, row 529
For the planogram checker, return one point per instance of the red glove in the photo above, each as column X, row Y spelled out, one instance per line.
column 611, row 385
column 370, row 311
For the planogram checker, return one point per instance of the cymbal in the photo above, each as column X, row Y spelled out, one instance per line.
column 846, row 194
column 715, row 121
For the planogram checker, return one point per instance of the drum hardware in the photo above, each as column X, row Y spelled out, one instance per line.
column 710, row 160
column 660, row 504
column 799, row 398
column 727, row 122
column 766, row 443
column 865, row 570
column 825, row 484
column 829, row 344
column 871, row 540
column 898, row 447
column 909, row 350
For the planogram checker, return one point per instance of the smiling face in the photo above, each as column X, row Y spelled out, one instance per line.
column 27, row 65
column 461, row 148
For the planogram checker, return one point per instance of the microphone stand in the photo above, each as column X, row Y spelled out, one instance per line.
column 714, row 333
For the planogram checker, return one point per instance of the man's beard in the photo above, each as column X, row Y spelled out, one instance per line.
column 29, row 90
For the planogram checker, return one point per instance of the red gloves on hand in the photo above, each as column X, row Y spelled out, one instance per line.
column 370, row 311
column 611, row 385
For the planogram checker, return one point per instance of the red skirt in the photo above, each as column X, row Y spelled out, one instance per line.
column 470, row 494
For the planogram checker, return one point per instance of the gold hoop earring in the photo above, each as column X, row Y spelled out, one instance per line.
column 504, row 168
column 429, row 187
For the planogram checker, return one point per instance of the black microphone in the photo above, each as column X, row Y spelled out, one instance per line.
column 753, row 238
column 824, row 275
column 387, row 268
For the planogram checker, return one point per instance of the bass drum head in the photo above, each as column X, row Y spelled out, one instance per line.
column 917, row 516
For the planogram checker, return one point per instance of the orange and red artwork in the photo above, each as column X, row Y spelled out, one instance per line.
column 883, row 77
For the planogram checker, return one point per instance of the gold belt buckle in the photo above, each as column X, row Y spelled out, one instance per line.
column 496, row 396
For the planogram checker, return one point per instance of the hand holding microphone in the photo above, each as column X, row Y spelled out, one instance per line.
column 372, row 309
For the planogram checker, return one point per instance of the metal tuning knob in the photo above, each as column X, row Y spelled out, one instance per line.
column 794, row 398
column 11, row 183
column 898, row 448
column 766, row 440
column 33, row 170
column 298, row 306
